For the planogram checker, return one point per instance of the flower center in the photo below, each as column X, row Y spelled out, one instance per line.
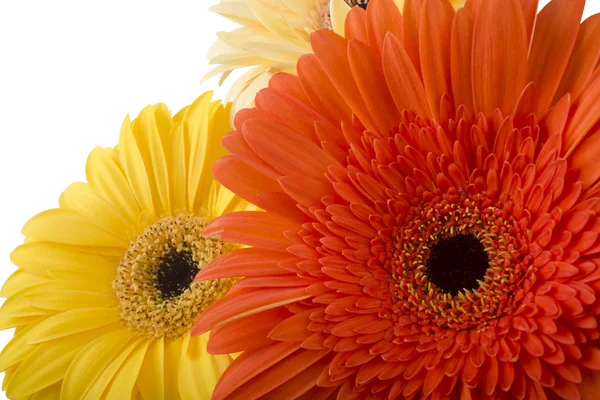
column 155, row 278
column 175, row 273
column 457, row 263
column 360, row 3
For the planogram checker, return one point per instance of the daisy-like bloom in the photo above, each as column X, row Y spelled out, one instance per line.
column 104, row 298
column 431, row 193
column 273, row 35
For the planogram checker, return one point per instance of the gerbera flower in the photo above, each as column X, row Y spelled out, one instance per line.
column 104, row 298
column 431, row 230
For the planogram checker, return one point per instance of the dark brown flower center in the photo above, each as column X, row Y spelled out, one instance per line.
column 175, row 273
column 155, row 278
column 456, row 263
column 360, row 3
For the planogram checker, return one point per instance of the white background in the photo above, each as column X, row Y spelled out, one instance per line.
column 69, row 73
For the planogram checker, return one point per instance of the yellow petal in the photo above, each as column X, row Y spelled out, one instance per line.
column 197, row 122
column 212, row 197
column 63, row 300
column 49, row 393
column 119, row 359
column 123, row 384
column 192, row 385
column 175, row 150
column 148, row 139
column 8, row 321
column 73, row 321
column 152, row 374
column 40, row 257
column 133, row 166
column 49, row 362
column 339, row 9
column 8, row 374
column 172, row 358
column 18, row 281
column 68, row 227
column 16, row 306
column 108, row 180
column 91, row 361
column 85, row 281
column 17, row 349
column 81, row 198
column 218, row 363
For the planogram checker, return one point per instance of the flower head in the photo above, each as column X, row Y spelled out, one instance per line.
column 104, row 297
column 431, row 223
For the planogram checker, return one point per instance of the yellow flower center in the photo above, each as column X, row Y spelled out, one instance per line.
column 155, row 278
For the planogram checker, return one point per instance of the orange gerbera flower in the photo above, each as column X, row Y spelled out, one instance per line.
column 431, row 192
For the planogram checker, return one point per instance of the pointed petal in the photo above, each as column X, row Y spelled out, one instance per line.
column 246, row 302
column 553, row 40
column 583, row 60
column 402, row 79
column 434, row 33
column 91, row 361
column 66, row 226
column 251, row 364
column 151, row 376
column 499, row 54
column 585, row 116
column 332, row 52
column 73, row 321
column 253, row 228
column 461, row 49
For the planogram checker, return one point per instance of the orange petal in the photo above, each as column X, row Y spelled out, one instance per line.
column 356, row 25
column 412, row 20
column 322, row 92
column 555, row 120
column 289, row 111
column 585, row 56
column 460, row 58
column 249, row 365
column 293, row 329
column 586, row 158
column 402, row 78
column 245, row 262
column 585, row 116
column 253, row 228
column 242, row 179
column 236, row 144
column 302, row 383
column 268, row 381
column 288, row 83
column 434, row 33
column 371, row 83
column 332, row 52
column 499, row 54
column 530, row 9
column 246, row 334
column 383, row 16
column 286, row 151
column 553, row 40
column 241, row 303
column 306, row 191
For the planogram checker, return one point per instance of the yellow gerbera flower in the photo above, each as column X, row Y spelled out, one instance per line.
column 104, row 298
